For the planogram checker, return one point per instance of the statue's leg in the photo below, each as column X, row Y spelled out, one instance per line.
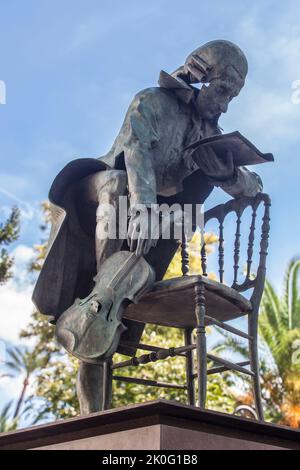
column 94, row 387
column 105, row 187
column 94, row 382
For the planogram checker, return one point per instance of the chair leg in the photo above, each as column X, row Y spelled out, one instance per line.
column 254, row 363
column 189, row 366
column 201, row 343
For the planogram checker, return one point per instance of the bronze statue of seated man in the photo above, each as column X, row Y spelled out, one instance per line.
column 147, row 164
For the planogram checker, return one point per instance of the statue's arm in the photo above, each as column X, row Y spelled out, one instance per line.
column 236, row 181
column 142, row 136
column 243, row 183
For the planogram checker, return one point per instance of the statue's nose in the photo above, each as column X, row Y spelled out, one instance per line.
column 224, row 107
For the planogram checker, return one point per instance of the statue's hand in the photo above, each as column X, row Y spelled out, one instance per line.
column 139, row 232
column 213, row 167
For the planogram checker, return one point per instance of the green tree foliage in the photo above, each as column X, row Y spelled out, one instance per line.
column 9, row 232
column 279, row 326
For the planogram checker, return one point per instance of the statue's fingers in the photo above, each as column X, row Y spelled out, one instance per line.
column 213, row 157
column 206, row 162
column 128, row 239
column 209, row 160
column 199, row 155
column 205, row 151
column 148, row 245
column 133, row 237
column 191, row 67
column 229, row 161
column 139, row 247
column 218, row 164
column 129, row 233
column 195, row 65
column 132, row 245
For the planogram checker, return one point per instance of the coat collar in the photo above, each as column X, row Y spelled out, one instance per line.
column 183, row 91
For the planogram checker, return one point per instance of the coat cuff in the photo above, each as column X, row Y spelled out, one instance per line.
column 224, row 183
column 243, row 183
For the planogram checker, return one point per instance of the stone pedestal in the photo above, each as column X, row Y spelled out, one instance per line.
column 158, row 425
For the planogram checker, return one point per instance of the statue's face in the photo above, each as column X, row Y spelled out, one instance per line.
column 214, row 98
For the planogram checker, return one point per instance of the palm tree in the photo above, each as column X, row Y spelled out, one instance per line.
column 22, row 362
column 279, row 328
column 7, row 424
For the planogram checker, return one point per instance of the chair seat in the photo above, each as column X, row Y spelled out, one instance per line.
column 172, row 303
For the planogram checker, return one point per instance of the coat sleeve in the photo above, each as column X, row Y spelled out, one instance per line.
column 243, row 183
column 142, row 137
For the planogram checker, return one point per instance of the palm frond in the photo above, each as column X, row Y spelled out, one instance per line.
column 231, row 344
column 5, row 410
column 16, row 356
column 287, row 283
column 295, row 294
column 271, row 307
column 296, row 315
column 13, row 366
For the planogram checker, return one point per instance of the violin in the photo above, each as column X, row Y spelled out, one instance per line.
column 91, row 328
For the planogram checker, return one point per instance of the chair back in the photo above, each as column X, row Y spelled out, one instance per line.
column 220, row 213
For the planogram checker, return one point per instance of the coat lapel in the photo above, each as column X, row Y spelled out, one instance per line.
column 183, row 91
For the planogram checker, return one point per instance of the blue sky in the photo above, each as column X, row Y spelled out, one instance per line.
column 71, row 69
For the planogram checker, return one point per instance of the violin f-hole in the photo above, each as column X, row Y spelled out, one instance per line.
column 95, row 306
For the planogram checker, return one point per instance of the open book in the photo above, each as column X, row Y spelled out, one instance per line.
column 244, row 152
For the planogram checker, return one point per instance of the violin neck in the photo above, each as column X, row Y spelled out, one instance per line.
column 123, row 271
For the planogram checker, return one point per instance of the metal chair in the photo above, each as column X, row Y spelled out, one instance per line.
column 194, row 302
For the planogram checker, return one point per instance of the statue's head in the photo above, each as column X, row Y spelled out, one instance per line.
column 222, row 67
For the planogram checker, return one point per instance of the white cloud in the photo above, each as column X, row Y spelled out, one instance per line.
column 15, row 311
column 15, row 296
column 16, row 308
column 22, row 256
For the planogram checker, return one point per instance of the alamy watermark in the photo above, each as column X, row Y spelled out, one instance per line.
column 2, row 92
column 149, row 222
column 296, row 352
